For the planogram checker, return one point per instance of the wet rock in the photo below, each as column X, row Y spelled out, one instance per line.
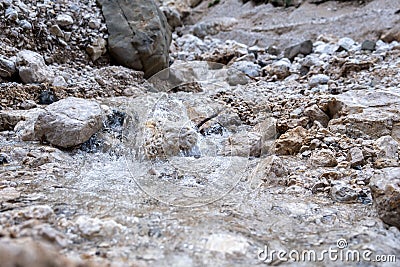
column 92, row 227
column 368, row 45
column 290, row 142
column 305, row 48
column 243, row 144
column 227, row 243
column 355, row 157
column 385, row 188
column 31, row 67
column 316, row 114
column 97, row 49
column 64, row 20
column 346, row 43
column 249, row 68
column 318, row 79
column 323, row 158
column 7, row 67
column 280, row 69
column 132, row 43
column 271, row 171
column 343, row 192
column 69, row 122
column 47, row 97
column 386, row 151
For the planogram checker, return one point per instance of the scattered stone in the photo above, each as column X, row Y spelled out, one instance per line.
column 386, row 152
column 346, row 43
column 69, row 122
column 132, row 43
column 305, row 48
column 236, row 77
column 11, row 14
column 249, row 68
column 7, row 67
column 391, row 35
column 56, row 31
column 316, row 114
column 385, row 188
column 97, row 49
column 290, row 142
column 58, row 81
column 318, row 79
column 92, row 227
column 368, row 45
column 343, row 192
column 280, row 69
column 64, row 20
column 26, row 25
column 31, row 67
column 355, row 157
column 323, row 158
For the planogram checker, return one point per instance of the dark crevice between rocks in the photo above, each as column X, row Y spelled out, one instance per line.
column 47, row 97
column 112, row 125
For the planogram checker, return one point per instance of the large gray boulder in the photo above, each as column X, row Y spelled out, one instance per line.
column 69, row 122
column 139, row 34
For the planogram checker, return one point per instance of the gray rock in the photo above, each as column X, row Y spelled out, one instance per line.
column 69, row 122
column 193, row 3
column 305, row 48
column 316, row 114
column 11, row 14
column 59, row 81
column 270, row 170
column 385, row 188
column 318, row 79
column 323, row 158
column 64, row 20
column 24, row 24
column 355, row 157
column 280, row 69
column 323, row 48
column 235, row 77
column 97, row 48
column 249, row 68
column 386, row 151
column 173, row 17
column 346, row 43
column 132, row 43
column 343, row 192
column 7, row 67
column 56, row 30
column 368, row 45
column 31, row 67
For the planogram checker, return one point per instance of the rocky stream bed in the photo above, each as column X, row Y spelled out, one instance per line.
column 199, row 133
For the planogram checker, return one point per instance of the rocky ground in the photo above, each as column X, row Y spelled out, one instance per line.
column 276, row 125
